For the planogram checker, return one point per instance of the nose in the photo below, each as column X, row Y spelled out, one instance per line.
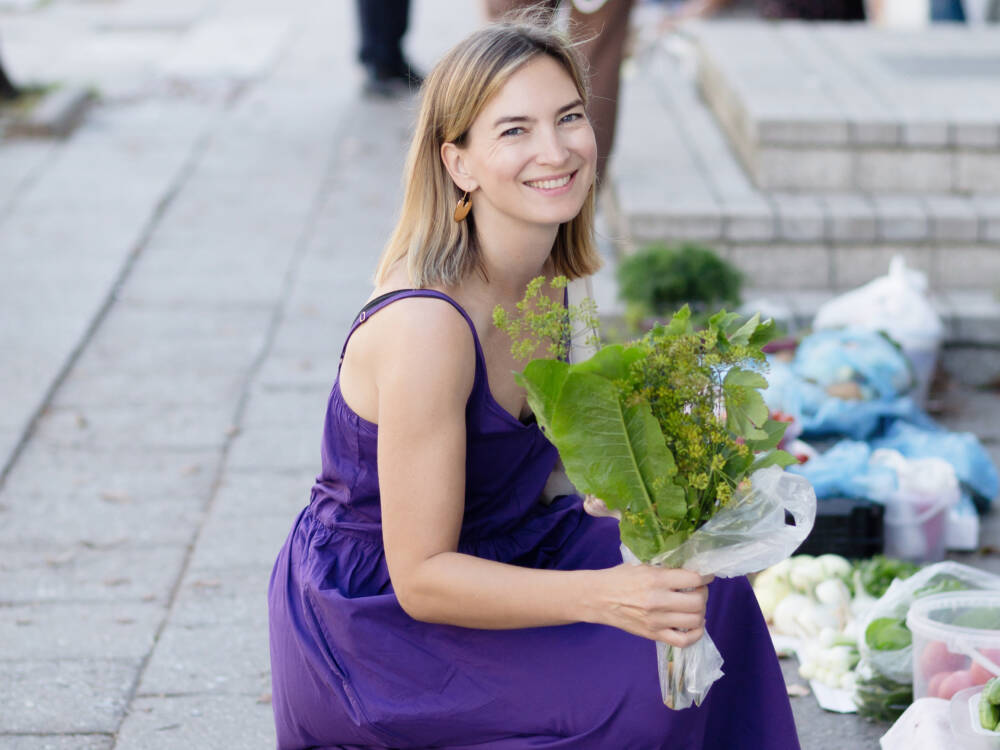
column 552, row 150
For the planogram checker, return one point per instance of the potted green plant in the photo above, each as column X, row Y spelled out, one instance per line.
column 659, row 279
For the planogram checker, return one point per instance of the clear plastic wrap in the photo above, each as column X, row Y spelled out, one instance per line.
column 749, row 535
column 895, row 603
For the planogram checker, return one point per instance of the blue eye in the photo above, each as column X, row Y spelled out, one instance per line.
column 572, row 117
column 512, row 131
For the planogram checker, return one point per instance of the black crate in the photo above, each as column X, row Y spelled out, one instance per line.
column 847, row 527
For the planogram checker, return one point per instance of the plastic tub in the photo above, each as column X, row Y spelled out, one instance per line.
column 914, row 528
column 964, row 719
column 956, row 642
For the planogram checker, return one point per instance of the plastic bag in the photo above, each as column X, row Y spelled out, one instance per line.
column 973, row 465
column 828, row 362
column 897, row 304
column 925, row 725
column 747, row 536
column 895, row 603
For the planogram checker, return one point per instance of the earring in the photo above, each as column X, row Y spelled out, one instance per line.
column 463, row 208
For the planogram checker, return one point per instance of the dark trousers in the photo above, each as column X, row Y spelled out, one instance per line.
column 382, row 24
column 947, row 10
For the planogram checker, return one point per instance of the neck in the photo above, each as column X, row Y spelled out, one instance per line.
column 513, row 254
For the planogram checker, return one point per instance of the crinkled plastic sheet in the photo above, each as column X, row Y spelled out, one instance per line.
column 747, row 536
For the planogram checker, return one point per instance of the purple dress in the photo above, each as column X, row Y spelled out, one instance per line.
column 350, row 669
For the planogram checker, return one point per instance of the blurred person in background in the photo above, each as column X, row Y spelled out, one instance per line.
column 806, row 10
column 382, row 26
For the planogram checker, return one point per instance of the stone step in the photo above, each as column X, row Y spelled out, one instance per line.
column 675, row 177
column 850, row 107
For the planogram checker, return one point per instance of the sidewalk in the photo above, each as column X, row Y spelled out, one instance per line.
column 177, row 280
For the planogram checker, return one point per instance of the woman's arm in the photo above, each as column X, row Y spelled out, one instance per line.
column 424, row 371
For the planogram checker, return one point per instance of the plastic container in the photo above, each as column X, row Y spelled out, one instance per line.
column 965, row 726
column 916, row 514
column 956, row 642
column 915, row 530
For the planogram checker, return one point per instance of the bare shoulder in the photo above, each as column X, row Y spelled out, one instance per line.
column 423, row 345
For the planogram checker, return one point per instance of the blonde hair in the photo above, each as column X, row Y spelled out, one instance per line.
column 438, row 250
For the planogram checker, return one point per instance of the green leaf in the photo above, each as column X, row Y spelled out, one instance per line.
column 611, row 362
column 543, row 379
column 616, row 453
column 746, row 412
column 738, row 465
column 723, row 321
column 775, row 430
column 744, row 379
column 773, row 458
column 742, row 336
column 766, row 331
column 679, row 324
column 888, row 634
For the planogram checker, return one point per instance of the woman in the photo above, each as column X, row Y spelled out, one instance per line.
column 427, row 597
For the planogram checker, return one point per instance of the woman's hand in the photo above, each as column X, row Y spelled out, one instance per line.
column 596, row 507
column 662, row 604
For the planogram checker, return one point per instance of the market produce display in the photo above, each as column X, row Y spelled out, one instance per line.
column 851, row 624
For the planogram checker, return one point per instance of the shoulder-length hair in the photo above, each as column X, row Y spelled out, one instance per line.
column 438, row 250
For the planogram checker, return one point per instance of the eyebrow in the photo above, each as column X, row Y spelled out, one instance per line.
column 525, row 118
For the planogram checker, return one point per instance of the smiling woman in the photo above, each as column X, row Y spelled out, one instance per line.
column 428, row 596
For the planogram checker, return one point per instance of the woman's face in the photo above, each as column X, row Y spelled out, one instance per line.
column 531, row 152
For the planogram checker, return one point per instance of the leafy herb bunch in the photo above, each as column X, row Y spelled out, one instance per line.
column 663, row 429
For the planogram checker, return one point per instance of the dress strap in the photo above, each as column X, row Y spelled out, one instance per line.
column 389, row 297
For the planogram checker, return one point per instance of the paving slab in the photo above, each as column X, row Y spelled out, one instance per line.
column 211, row 659
column 65, row 695
column 54, row 571
column 105, row 630
column 206, row 721
column 58, row 742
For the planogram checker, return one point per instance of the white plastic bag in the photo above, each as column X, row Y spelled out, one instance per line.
column 747, row 536
column 895, row 603
column 897, row 304
column 925, row 725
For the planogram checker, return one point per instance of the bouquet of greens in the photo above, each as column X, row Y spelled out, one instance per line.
column 672, row 433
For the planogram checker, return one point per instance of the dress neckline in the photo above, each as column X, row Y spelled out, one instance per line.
column 388, row 298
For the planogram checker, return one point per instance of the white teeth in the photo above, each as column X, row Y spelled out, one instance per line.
column 550, row 184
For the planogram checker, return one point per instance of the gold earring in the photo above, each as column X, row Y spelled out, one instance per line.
column 463, row 208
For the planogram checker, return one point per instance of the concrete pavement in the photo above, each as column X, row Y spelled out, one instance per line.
column 177, row 278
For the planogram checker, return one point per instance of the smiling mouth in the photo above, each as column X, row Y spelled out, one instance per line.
column 551, row 183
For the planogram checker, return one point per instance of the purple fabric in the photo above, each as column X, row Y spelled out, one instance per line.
column 350, row 669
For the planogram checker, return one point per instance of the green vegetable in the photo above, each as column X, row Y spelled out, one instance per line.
column 989, row 713
column 639, row 425
column 982, row 618
column 888, row 634
column 941, row 584
column 882, row 699
column 878, row 573
column 991, row 691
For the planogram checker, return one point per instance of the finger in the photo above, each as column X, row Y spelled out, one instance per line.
column 679, row 638
column 678, row 621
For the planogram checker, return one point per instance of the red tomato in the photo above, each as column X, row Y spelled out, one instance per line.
column 937, row 658
column 953, row 683
column 981, row 674
column 934, row 685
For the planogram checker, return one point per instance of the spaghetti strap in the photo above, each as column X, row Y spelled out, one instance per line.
column 387, row 299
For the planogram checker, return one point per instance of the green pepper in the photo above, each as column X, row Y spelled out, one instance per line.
column 989, row 714
column 991, row 691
